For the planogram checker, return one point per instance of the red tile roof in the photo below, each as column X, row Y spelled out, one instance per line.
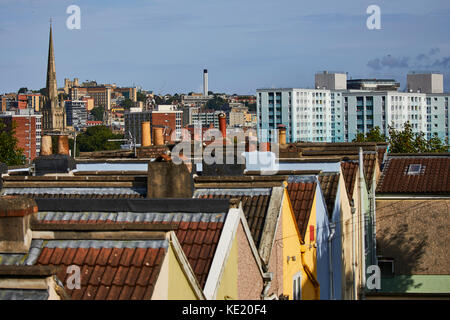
column 255, row 210
column 198, row 233
column 302, row 195
column 107, row 273
column 329, row 184
column 349, row 170
column 432, row 179
column 370, row 160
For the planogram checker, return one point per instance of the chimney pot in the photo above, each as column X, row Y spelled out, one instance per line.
column 159, row 138
column 63, row 145
column 145, row 134
column 46, row 146
column 15, row 231
column 223, row 124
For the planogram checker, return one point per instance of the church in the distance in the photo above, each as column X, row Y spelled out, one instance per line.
column 53, row 112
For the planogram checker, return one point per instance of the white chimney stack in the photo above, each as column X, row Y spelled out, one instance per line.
column 205, row 82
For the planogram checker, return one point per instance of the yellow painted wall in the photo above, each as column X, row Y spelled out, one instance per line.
column 179, row 287
column 228, row 289
column 291, row 247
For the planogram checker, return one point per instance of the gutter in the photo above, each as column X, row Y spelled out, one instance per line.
column 330, row 257
column 268, row 277
column 308, row 271
column 363, row 223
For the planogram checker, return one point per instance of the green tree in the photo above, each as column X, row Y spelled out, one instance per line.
column 374, row 135
column 97, row 113
column 96, row 139
column 9, row 151
column 23, row 90
column 127, row 103
column 141, row 97
column 407, row 141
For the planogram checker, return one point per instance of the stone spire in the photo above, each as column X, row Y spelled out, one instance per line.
column 52, row 89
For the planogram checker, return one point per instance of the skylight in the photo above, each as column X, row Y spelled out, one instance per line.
column 414, row 168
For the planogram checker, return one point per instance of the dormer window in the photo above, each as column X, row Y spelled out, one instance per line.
column 414, row 168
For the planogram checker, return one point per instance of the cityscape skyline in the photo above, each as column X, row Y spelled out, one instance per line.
column 229, row 48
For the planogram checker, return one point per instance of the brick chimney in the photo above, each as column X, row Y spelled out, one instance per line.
column 15, row 216
column 168, row 180
column 48, row 163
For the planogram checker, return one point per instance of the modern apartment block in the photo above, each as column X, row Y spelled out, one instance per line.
column 197, row 116
column 321, row 115
column 76, row 113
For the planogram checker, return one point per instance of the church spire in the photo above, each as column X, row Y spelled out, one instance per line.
column 52, row 89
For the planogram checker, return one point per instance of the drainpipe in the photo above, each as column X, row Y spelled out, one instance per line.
column 330, row 258
column 363, row 223
column 309, row 273
column 268, row 277
column 374, row 225
column 353, row 252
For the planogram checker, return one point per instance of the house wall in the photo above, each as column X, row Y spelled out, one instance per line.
column 291, row 248
column 309, row 292
column 250, row 282
column 161, row 292
column 322, row 233
column 276, row 261
column 179, row 287
column 228, row 287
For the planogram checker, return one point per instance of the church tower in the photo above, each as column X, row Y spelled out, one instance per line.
column 54, row 114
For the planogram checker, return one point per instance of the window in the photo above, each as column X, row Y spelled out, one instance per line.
column 414, row 168
column 297, row 287
column 386, row 266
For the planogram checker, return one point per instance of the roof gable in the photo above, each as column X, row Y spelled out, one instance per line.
column 329, row 183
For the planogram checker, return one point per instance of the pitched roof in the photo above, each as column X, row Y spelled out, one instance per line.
column 369, row 161
column 349, row 170
column 78, row 193
column 301, row 194
column 116, row 270
column 432, row 178
column 329, row 184
column 255, row 204
column 198, row 233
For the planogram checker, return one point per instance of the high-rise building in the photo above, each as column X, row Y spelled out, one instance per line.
column 331, row 80
column 76, row 112
column 319, row 115
column 54, row 117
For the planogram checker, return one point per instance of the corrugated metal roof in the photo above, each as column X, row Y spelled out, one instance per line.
column 23, row 294
column 104, row 166
column 233, row 192
column 75, row 191
column 147, row 217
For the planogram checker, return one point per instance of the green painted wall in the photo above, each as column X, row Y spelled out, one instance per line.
column 416, row 284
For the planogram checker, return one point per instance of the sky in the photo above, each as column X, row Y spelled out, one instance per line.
column 164, row 45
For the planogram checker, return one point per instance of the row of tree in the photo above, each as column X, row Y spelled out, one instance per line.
column 405, row 141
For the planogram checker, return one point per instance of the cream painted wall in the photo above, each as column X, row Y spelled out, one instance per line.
column 228, row 289
column 179, row 285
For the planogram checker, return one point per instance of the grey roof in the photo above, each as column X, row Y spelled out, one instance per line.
column 148, row 217
column 23, row 294
column 23, row 259
column 233, row 192
column 80, row 191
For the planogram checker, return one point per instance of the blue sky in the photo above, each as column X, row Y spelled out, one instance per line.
column 163, row 45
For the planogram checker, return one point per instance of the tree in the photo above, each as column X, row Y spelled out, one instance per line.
column 127, row 103
column 96, row 139
column 406, row 141
column 23, row 90
column 374, row 135
column 9, row 152
column 141, row 97
column 97, row 113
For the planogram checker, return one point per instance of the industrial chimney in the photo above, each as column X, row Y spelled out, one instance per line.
column 205, row 82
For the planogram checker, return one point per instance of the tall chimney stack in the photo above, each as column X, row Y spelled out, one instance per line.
column 63, row 145
column 205, row 82
column 46, row 146
column 145, row 134
column 223, row 124
column 158, row 136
